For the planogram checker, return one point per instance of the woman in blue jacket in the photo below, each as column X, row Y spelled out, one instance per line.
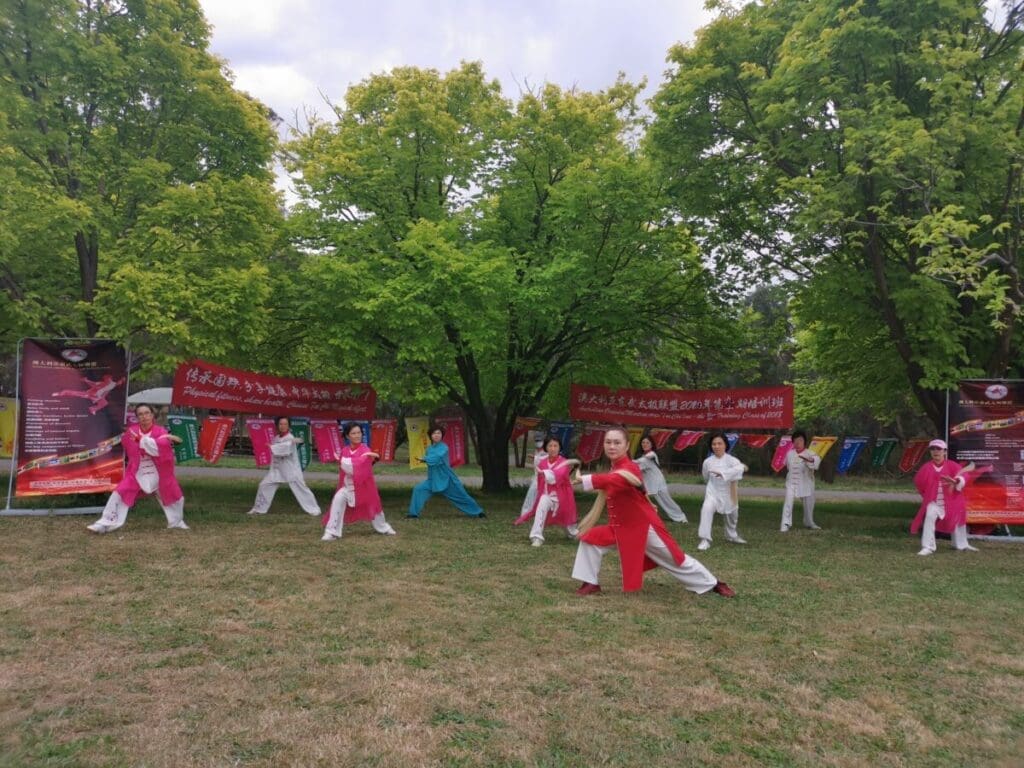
column 441, row 479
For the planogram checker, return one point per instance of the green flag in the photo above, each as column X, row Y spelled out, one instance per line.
column 882, row 450
column 187, row 428
column 300, row 428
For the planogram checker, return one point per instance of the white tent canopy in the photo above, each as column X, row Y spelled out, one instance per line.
column 155, row 396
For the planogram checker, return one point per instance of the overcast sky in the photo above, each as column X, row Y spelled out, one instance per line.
column 285, row 52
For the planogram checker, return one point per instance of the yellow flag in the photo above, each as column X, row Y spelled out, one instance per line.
column 419, row 439
column 821, row 445
column 635, row 433
column 8, row 412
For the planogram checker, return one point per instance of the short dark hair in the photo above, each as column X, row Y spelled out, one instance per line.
column 549, row 438
column 346, row 428
column 277, row 420
column 135, row 410
column 436, row 428
column 799, row 433
column 718, row 434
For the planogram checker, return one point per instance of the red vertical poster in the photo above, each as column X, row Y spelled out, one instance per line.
column 986, row 427
column 912, row 455
column 455, row 439
column 71, row 417
column 327, row 438
column 261, row 433
column 779, row 457
column 382, row 438
column 213, row 436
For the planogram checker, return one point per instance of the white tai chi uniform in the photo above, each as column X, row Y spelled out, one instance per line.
column 284, row 468
column 116, row 511
column 657, row 488
column 531, row 492
column 800, row 485
column 720, row 498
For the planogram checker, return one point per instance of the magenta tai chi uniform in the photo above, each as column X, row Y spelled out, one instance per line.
column 357, row 497
column 150, row 470
column 555, row 503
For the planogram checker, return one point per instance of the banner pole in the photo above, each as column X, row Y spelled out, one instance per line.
column 17, row 420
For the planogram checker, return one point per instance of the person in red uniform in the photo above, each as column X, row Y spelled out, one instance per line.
column 634, row 528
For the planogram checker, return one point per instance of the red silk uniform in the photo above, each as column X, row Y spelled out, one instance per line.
column 128, row 489
column 630, row 517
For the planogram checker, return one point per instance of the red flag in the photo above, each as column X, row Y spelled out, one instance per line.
column 686, row 439
column 382, row 438
column 327, row 438
column 589, row 448
column 455, row 439
column 213, row 436
column 755, row 441
column 779, row 458
column 660, row 437
column 261, row 432
column 912, row 454
column 523, row 425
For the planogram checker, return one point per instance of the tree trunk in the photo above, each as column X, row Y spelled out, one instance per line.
column 87, row 247
column 492, row 443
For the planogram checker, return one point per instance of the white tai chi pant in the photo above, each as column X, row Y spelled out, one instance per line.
column 787, row 508
column 693, row 575
column 933, row 512
column 343, row 499
column 667, row 503
column 707, row 516
column 265, row 495
column 116, row 511
column 547, row 505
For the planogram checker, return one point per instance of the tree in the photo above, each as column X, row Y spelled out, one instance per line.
column 467, row 250
column 871, row 152
column 140, row 202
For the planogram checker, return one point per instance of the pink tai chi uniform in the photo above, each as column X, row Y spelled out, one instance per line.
column 943, row 507
column 357, row 497
column 635, row 528
column 555, row 503
column 150, row 470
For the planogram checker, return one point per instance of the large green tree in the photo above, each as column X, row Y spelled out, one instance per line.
column 869, row 151
column 468, row 250
column 136, row 199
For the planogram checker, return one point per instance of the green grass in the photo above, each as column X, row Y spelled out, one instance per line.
column 249, row 642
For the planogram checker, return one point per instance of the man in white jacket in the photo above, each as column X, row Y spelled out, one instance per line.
column 284, row 469
column 800, row 466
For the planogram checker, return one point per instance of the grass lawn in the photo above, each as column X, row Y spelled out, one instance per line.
column 248, row 642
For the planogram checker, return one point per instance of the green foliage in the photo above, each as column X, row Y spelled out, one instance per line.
column 484, row 253
column 870, row 151
column 139, row 202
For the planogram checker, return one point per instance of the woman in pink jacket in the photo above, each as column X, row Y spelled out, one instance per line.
column 943, row 506
column 357, row 497
column 150, row 470
column 555, row 503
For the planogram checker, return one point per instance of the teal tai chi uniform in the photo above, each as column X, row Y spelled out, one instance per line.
column 442, row 479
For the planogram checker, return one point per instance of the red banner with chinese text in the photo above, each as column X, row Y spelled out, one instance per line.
column 261, row 433
column 205, row 385
column 779, row 457
column 382, row 438
column 591, row 444
column 327, row 439
column 751, row 407
column 455, row 439
column 213, row 436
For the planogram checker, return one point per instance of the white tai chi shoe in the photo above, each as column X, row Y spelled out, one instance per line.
column 925, row 551
column 704, row 544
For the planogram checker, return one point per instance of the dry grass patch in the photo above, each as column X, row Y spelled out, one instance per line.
column 249, row 642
